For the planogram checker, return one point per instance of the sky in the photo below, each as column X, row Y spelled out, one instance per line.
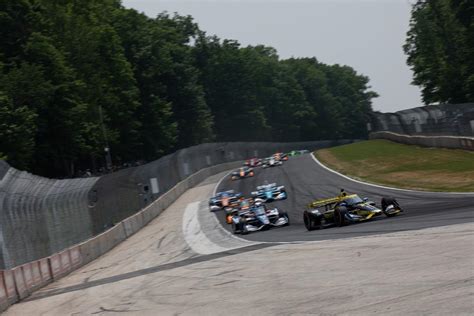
column 365, row 34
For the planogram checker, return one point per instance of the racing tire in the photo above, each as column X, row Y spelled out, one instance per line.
column 340, row 216
column 243, row 228
column 386, row 203
column 285, row 214
column 309, row 221
column 234, row 228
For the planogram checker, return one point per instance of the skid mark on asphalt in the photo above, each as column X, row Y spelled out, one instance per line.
column 142, row 272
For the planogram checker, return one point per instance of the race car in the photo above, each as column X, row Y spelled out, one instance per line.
column 253, row 162
column 242, row 205
column 241, row 173
column 297, row 152
column 224, row 200
column 259, row 217
column 343, row 210
column 271, row 162
column 280, row 156
column 269, row 193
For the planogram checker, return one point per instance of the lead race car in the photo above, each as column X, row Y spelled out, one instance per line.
column 269, row 193
column 345, row 209
column 241, row 173
column 224, row 200
column 259, row 217
column 294, row 153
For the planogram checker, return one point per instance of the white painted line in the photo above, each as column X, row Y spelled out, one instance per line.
column 193, row 234
column 385, row 187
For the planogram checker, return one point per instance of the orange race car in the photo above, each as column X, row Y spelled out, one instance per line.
column 241, row 173
column 243, row 206
column 280, row 156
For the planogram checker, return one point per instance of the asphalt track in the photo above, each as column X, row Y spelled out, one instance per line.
column 305, row 180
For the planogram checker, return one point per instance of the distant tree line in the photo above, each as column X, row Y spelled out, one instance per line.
column 78, row 76
column 440, row 49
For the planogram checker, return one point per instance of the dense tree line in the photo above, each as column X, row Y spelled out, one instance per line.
column 78, row 76
column 440, row 49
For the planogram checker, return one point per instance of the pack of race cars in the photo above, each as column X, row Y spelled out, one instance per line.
column 254, row 213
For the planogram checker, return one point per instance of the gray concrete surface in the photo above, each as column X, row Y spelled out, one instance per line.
column 157, row 272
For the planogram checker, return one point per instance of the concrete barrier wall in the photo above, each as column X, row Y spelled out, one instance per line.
column 434, row 120
column 453, row 142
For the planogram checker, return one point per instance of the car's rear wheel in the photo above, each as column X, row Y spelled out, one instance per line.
column 243, row 227
column 309, row 221
column 234, row 228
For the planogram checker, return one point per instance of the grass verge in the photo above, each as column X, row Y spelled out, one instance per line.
column 403, row 166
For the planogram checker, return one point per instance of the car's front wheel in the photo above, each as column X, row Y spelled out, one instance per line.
column 285, row 216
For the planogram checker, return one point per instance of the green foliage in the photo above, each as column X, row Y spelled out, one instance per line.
column 17, row 130
column 440, row 49
column 79, row 76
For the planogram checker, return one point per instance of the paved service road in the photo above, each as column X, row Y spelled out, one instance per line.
column 306, row 180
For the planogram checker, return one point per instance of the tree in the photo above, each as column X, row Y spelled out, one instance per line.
column 440, row 52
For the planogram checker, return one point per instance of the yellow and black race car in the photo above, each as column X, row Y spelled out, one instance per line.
column 345, row 209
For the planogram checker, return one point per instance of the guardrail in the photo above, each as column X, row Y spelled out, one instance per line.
column 452, row 142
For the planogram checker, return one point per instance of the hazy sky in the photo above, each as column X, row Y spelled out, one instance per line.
column 366, row 35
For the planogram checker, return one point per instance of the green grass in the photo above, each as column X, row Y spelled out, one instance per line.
column 404, row 166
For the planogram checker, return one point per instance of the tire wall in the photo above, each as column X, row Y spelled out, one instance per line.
column 40, row 217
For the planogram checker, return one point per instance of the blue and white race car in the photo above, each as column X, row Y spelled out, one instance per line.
column 269, row 193
column 259, row 217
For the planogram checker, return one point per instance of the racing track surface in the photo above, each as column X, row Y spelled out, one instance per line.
column 305, row 180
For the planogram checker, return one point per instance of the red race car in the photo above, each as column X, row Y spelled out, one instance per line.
column 253, row 162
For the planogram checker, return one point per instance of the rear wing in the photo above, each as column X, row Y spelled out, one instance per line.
column 323, row 202
column 261, row 187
